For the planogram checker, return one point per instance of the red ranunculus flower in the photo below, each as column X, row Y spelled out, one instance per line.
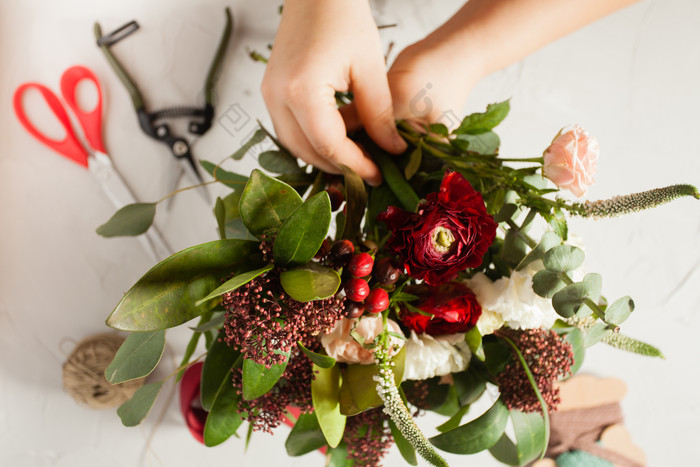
column 450, row 232
column 450, row 308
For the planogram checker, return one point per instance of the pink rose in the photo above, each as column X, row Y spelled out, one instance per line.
column 571, row 160
column 340, row 345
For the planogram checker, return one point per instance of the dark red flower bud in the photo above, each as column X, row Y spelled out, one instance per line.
column 361, row 265
column 341, row 252
column 385, row 272
column 353, row 309
column 356, row 289
column 323, row 251
column 377, row 301
column 336, row 197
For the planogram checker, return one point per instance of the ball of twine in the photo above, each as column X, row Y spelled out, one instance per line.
column 84, row 373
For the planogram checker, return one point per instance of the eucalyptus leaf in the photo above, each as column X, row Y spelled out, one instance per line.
column 477, row 435
column 310, row 282
column 266, row 203
column 133, row 411
column 235, row 282
column 406, row 449
column 224, row 419
column 486, row 143
column 530, row 435
column 546, row 283
column 575, row 338
column 570, row 300
column 302, row 233
column 563, row 258
column 216, row 371
column 324, row 393
column 256, row 138
column 414, row 161
column 323, row 361
column 279, row 162
column 230, row 179
column 596, row 333
column 481, row 122
column 548, row 241
column 505, row 451
column 132, row 219
column 166, row 295
column 306, row 436
column 258, row 380
column 137, row 357
column 355, row 203
column 619, row 311
column 220, row 215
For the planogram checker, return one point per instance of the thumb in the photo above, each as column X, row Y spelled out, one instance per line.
column 372, row 99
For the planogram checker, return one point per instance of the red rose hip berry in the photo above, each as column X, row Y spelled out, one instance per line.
column 377, row 301
column 356, row 289
column 361, row 265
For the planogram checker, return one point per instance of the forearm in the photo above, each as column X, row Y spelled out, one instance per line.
column 500, row 32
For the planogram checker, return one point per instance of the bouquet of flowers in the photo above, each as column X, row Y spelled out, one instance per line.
column 349, row 309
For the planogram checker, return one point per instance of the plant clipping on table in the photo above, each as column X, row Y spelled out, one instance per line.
column 357, row 308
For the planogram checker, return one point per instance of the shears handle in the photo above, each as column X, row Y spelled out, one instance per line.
column 69, row 145
column 91, row 122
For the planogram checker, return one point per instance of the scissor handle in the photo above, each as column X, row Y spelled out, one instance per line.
column 90, row 121
column 69, row 145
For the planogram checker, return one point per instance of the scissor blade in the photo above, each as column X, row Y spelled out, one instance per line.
column 101, row 167
column 194, row 178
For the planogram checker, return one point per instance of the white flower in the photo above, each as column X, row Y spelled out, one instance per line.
column 428, row 356
column 341, row 345
column 511, row 301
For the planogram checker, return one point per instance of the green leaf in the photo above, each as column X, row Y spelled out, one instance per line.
column 439, row 129
column 235, row 282
column 133, row 411
column 549, row 240
column 481, row 122
column 405, row 447
column 310, row 282
column 619, row 311
column 396, row 181
column 570, row 299
column 486, row 143
column 220, row 214
column 596, row 333
column 278, row 162
column 236, row 229
column 505, row 451
column 514, row 248
column 359, row 389
column 257, row 138
column 257, row 379
column 414, row 162
column 477, row 435
column 165, row 296
column 355, row 203
column 229, row 179
column 323, row 361
column 223, row 419
column 530, row 435
column 338, row 457
column 558, row 223
column 547, row 283
column 216, row 371
column 575, row 338
column 505, row 213
column 266, row 203
column 213, row 324
column 469, row 386
column 302, row 234
column 324, row 393
column 132, row 219
column 137, row 357
column 473, row 339
column 454, row 421
column 306, row 436
column 563, row 258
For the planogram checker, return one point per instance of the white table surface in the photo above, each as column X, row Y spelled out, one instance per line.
column 632, row 79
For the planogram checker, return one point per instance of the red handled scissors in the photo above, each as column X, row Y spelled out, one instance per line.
column 96, row 161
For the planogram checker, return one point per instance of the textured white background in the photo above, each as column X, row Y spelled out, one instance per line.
column 631, row 79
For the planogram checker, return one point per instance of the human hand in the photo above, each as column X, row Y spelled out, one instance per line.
column 322, row 47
